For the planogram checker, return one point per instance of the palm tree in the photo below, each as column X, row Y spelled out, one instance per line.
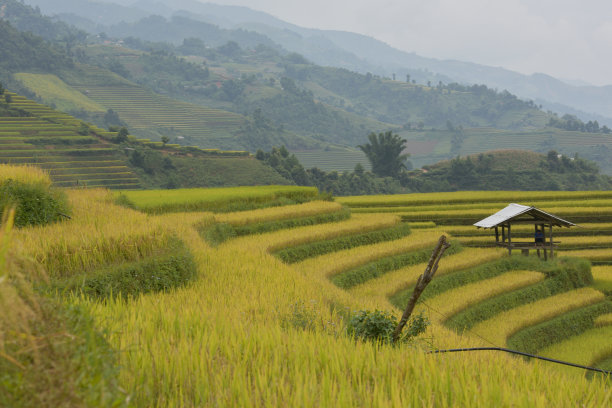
column 385, row 153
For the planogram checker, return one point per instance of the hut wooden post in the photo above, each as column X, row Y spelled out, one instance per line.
column 509, row 239
column 544, row 242
column 552, row 255
column 496, row 235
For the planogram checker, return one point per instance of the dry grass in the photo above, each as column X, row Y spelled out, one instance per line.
column 603, row 320
column 587, row 348
column 278, row 213
column 99, row 233
column 603, row 273
column 24, row 174
column 253, row 331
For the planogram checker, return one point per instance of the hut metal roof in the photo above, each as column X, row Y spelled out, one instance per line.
column 513, row 211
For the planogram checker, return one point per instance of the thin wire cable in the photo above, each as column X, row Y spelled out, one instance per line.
column 552, row 360
column 497, row 348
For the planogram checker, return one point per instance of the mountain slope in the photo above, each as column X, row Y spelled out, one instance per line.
column 275, row 97
column 365, row 54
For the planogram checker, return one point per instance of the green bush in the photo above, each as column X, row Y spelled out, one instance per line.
column 301, row 252
column 361, row 274
column 302, row 317
column 36, row 204
column 378, row 326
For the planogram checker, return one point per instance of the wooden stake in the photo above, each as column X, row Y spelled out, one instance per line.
column 422, row 282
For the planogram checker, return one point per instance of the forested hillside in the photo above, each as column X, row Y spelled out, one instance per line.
column 199, row 84
column 25, row 51
column 25, row 18
column 340, row 105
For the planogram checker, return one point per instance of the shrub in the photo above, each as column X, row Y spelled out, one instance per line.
column 36, row 203
column 378, row 326
column 302, row 316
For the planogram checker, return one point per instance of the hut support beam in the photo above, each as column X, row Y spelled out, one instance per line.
column 551, row 241
column 509, row 239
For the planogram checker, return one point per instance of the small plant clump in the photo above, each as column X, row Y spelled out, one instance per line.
column 378, row 326
column 30, row 192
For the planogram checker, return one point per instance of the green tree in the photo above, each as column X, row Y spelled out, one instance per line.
column 165, row 139
column 385, row 153
column 111, row 118
column 122, row 136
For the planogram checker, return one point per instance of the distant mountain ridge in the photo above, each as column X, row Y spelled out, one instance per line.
column 278, row 97
column 355, row 52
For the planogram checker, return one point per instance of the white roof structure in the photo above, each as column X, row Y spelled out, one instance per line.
column 522, row 212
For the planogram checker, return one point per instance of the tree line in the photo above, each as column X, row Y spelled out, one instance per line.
column 391, row 174
column 572, row 123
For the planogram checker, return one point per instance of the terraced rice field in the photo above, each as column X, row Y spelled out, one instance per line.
column 533, row 308
column 147, row 114
column 54, row 91
column 144, row 110
column 333, row 160
column 377, row 273
column 253, row 329
column 51, row 140
column 480, row 140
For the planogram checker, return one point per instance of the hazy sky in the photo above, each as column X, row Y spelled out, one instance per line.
column 569, row 39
